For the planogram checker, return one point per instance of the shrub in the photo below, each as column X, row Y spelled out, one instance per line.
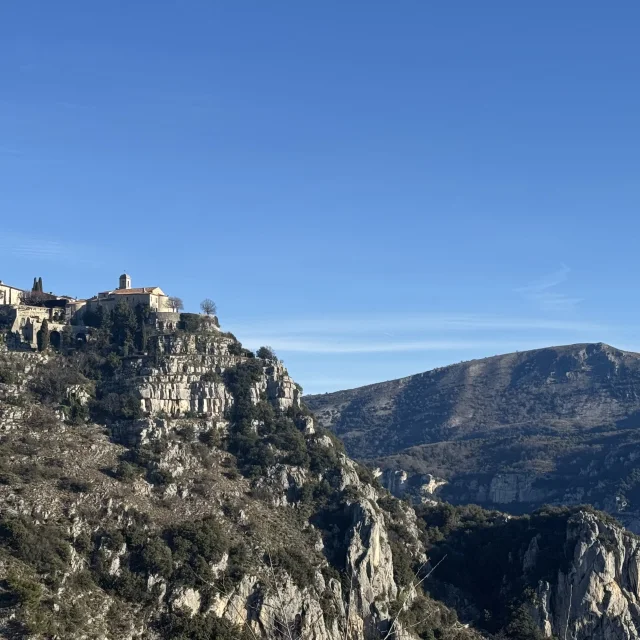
column 127, row 472
column 194, row 545
column 43, row 547
column 190, row 322
column 235, row 349
column 211, row 377
column 295, row 563
column 156, row 558
column 118, row 406
column 7, row 373
column 40, row 419
column 211, row 438
column 26, row 590
column 187, row 433
column 52, row 381
column 74, row 485
column 266, row 353
column 179, row 626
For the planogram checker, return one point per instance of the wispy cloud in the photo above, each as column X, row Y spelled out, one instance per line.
column 410, row 332
column 541, row 291
column 393, row 324
column 282, row 343
column 28, row 247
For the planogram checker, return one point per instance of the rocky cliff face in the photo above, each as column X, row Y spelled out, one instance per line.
column 562, row 573
column 598, row 596
column 185, row 493
column 187, row 377
column 551, row 426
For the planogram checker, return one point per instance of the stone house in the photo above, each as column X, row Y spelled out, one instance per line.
column 24, row 318
column 9, row 295
column 154, row 297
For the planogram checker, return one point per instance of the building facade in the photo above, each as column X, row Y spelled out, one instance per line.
column 9, row 295
column 153, row 297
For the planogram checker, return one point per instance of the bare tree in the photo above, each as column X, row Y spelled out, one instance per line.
column 176, row 303
column 208, row 307
column 34, row 298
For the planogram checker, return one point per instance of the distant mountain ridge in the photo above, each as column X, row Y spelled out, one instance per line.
column 550, row 425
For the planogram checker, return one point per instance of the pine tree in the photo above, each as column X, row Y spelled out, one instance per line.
column 35, row 285
column 124, row 325
column 40, row 285
column 43, row 336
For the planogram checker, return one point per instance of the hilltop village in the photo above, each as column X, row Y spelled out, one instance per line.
column 24, row 313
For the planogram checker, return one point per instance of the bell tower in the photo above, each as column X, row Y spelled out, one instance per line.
column 125, row 281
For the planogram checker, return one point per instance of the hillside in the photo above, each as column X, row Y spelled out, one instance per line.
column 554, row 425
column 184, row 492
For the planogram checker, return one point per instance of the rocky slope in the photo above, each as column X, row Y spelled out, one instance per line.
column 554, row 425
column 562, row 573
column 184, row 492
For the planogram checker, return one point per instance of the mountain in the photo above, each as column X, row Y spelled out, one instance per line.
column 556, row 425
column 181, row 490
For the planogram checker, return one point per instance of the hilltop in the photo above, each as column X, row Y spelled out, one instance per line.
column 554, row 425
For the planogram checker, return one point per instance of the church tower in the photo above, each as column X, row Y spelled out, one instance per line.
column 125, row 281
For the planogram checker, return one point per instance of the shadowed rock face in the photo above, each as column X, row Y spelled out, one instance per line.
column 554, row 425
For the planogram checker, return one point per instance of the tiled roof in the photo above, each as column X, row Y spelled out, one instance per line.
column 121, row 292
column 129, row 292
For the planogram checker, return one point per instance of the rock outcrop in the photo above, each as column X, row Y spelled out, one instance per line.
column 598, row 596
column 122, row 506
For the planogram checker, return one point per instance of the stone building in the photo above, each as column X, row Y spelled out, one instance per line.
column 9, row 295
column 154, row 297
column 23, row 312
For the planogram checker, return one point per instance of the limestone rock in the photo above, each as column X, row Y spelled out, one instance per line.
column 598, row 598
column 187, row 600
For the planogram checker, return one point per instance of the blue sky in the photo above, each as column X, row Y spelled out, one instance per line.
column 372, row 188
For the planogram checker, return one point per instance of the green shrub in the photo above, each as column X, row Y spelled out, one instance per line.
column 210, row 438
column 43, row 547
column 211, row 377
column 295, row 563
column 235, row 349
column 27, row 591
column 127, row 471
column 190, row 322
column 117, row 406
column 8, row 373
column 156, row 558
column 52, row 381
column 178, row 626
column 194, row 546
column 74, row 485
column 266, row 353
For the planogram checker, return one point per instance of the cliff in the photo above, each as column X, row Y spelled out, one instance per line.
column 560, row 572
column 598, row 596
column 185, row 492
